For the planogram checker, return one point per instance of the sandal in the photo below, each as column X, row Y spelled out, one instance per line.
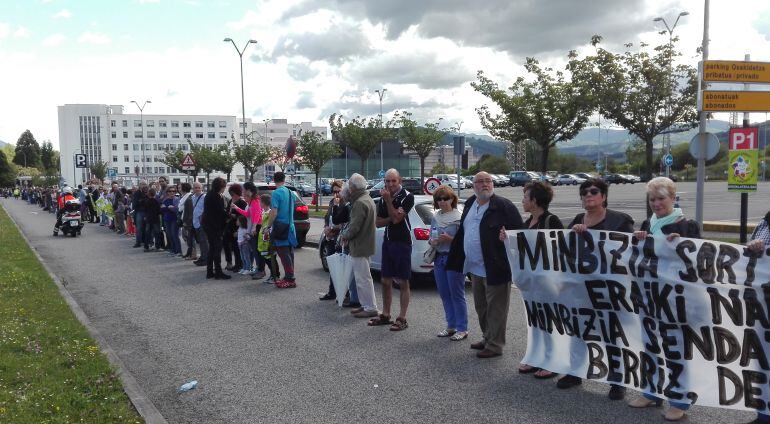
column 379, row 320
column 544, row 374
column 527, row 369
column 399, row 325
column 460, row 335
column 446, row 333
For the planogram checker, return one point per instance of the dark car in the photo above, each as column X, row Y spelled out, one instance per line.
column 615, row 179
column 521, row 178
column 412, row 185
column 301, row 217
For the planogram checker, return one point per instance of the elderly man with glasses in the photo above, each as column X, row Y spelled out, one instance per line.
column 478, row 249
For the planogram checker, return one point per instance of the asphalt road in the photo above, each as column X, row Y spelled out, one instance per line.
column 281, row 356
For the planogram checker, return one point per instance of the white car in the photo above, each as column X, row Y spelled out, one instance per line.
column 419, row 218
column 569, row 179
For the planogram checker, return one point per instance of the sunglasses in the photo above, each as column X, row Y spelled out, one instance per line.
column 442, row 199
column 593, row 190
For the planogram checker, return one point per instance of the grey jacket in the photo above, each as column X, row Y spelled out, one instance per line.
column 361, row 228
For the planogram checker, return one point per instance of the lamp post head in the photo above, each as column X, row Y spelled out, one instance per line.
column 253, row 41
column 684, row 13
column 658, row 19
column 226, row 40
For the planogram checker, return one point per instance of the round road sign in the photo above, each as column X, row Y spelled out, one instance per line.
column 712, row 146
column 668, row 159
column 431, row 185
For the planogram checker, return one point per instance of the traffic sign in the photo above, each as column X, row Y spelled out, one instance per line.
column 81, row 161
column 668, row 159
column 735, row 101
column 733, row 71
column 743, row 138
column 382, row 173
column 743, row 160
column 188, row 163
column 712, row 146
column 599, row 167
column 431, row 185
column 112, row 173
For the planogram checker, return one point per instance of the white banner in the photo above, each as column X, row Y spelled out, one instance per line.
column 685, row 320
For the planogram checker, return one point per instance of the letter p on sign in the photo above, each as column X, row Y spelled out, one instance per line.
column 743, row 138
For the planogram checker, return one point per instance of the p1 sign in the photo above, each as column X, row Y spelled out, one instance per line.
column 743, row 138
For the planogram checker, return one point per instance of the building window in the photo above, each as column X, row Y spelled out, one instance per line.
column 162, row 124
column 137, row 123
column 125, row 134
column 174, row 134
column 125, row 159
column 198, row 124
column 184, row 147
column 126, row 170
column 125, row 147
column 199, row 135
column 114, row 147
column 137, row 134
column 136, row 158
column 222, row 124
column 186, row 124
column 163, row 134
column 113, row 134
column 223, row 134
column 210, row 124
column 174, row 124
column 150, row 123
column 211, row 135
column 187, row 134
column 114, row 159
column 112, row 122
column 135, row 147
column 125, row 123
column 150, row 134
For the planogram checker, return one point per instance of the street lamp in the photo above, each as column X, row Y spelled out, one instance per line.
column 141, row 120
column 243, row 100
column 670, row 31
column 381, row 94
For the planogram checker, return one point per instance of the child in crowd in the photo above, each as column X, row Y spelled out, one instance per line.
column 244, row 244
column 264, row 246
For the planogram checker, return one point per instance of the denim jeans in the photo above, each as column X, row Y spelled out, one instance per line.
column 451, row 288
column 172, row 232
column 245, row 249
column 151, row 231
column 139, row 223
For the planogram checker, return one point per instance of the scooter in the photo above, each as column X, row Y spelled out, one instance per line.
column 71, row 222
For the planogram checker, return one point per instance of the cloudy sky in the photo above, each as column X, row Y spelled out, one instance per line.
column 316, row 57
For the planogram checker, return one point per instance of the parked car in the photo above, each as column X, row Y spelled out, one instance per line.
column 467, row 181
column 521, row 178
column 615, row 179
column 583, row 175
column 305, row 189
column 569, row 179
column 326, row 185
column 632, row 178
column 450, row 183
column 301, row 216
column 413, row 185
column 501, row 180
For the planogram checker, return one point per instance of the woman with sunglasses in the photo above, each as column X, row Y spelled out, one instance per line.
column 331, row 232
column 593, row 195
column 670, row 222
column 537, row 198
column 451, row 284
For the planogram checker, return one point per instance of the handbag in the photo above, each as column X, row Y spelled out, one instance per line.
column 280, row 231
column 429, row 255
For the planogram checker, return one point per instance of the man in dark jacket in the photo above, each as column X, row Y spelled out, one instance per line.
column 138, row 205
column 477, row 250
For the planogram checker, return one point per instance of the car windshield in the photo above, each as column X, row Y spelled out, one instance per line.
column 426, row 211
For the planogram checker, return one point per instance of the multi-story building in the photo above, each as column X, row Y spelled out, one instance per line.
column 134, row 145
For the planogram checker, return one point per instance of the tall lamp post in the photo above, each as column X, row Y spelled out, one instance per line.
column 243, row 100
column 141, row 119
column 381, row 94
column 670, row 31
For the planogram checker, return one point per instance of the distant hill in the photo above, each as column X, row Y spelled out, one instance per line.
column 2, row 143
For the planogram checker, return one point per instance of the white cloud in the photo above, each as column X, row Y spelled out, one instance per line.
column 5, row 30
column 62, row 14
column 54, row 40
column 21, row 32
column 89, row 37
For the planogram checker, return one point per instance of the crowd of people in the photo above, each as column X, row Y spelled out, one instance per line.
column 256, row 230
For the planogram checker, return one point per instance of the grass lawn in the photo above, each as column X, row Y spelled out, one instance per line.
column 51, row 370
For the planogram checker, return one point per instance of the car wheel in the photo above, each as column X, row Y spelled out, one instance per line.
column 574, row 183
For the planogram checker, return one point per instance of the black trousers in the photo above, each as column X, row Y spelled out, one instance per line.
column 230, row 246
column 214, row 259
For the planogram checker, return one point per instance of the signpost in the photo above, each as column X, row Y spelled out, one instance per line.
column 735, row 101
column 743, row 162
column 668, row 160
column 733, row 71
column 431, row 185
column 188, row 163
column 80, row 161
column 112, row 173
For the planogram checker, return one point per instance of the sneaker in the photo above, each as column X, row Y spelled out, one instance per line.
column 257, row 275
column 270, row 280
column 285, row 284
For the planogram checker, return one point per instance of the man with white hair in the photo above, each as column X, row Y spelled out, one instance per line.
column 392, row 213
column 359, row 236
column 478, row 250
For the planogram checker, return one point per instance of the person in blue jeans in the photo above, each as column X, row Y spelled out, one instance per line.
column 451, row 284
column 169, row 209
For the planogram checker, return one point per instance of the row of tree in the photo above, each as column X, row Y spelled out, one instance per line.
column 641, row 90
column 29, row 158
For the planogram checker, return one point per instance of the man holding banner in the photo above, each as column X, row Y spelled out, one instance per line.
column 478, row 250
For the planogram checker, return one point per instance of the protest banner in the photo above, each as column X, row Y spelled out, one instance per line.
column 686, row 320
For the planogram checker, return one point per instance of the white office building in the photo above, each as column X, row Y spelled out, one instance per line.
column 133, row 145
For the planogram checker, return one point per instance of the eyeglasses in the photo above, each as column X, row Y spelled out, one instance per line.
column 483, row 182
column 593, row 191
column 336, row 192
column 442, row 199
column 391, row 181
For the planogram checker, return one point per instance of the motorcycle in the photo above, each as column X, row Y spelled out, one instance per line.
column 71, row 222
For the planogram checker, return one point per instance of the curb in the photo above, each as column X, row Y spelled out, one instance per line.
column 726, row 227
column 141, row 402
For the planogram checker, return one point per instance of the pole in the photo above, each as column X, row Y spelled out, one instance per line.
column 745, row 196
column 243, row 99
column 700, row 186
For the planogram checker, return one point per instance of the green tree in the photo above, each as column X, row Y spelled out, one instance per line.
column 494, row 164
column 251, row 155
column 27, row 151
column 174, row 158
column 10, row 151
column 46, row 155
column 422, row 140
column 641, row 91
column 313, row 151
column 99, row 170
column 361, row 135
column 7, row 171
column 547, row 110
column 441, row 168
column 224, row 157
